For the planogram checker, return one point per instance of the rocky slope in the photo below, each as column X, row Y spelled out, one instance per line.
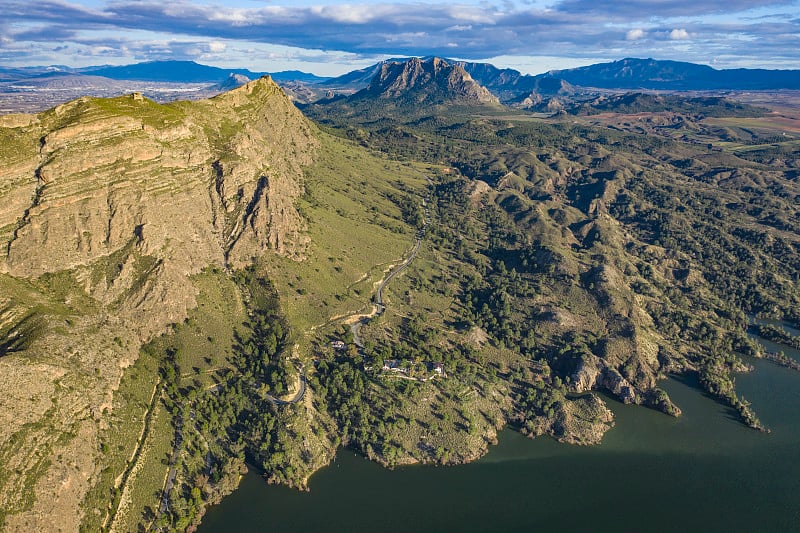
column 108, row 206
column 429, row 82
column 408, row 89
column 134, row 182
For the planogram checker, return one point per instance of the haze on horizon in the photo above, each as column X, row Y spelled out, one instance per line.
column 335, row 37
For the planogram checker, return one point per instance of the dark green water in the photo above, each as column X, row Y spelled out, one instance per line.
column 702, row 472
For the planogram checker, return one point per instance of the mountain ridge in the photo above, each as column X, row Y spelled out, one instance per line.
column 410, row 88
column 635, row 73
column 120, row 203
column 428, row 82
column 631, row 73
column 160, row 70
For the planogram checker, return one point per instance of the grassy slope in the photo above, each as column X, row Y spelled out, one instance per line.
column 201, row 348
column 355, row 230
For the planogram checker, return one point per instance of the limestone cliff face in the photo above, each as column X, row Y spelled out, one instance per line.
column 107, row 206
column 135, row 196
column 258, row 171
column 428, row 82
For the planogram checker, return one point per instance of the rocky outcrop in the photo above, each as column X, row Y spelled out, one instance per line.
column 234, row 80
column 136, row 196
column 594, row 373
column 583, row 420
column 541, row 94
column 431, row 81
column 107, row 207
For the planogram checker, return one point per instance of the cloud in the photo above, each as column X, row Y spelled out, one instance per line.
column 649, row 9
column 679, row 35
column 689, row 29
column 216, row 47
column 635, row 35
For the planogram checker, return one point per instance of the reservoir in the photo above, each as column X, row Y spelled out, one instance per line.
column 704, row 471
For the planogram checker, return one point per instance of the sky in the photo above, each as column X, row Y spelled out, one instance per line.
column 334, row 37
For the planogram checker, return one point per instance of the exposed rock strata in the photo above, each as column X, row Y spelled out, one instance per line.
column 428, row 82
column 111, row 205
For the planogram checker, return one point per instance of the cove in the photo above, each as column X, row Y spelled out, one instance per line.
column 704, row 471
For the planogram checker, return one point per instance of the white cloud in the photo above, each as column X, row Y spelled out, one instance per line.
column 567, row 29
column 348, row 14
column 459, row 27
column 101, row 50
column 679, row 35
column 216, row 47
column 635, row 35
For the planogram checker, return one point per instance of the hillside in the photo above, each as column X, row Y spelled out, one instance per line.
column 143, row 248
column 109, row 208
column 632, row 103
column 589, row 249
column 188, row 290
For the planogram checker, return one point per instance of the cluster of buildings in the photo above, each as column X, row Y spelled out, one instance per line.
column 396, row 365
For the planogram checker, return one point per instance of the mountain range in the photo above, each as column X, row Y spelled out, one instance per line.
column 505, row 83
column 157, row 71
column 630, row 73
column 653, row 74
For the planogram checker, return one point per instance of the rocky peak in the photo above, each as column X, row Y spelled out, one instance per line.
column 234, row 80
column 156, row 191
column 430, row 81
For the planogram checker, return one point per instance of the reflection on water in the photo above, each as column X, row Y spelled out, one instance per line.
column 773, row 346
column 788, row 327
column 702, row 472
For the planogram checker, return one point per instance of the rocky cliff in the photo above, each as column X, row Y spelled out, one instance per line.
column 159, row 191
column 432, row 81
column 107, row 206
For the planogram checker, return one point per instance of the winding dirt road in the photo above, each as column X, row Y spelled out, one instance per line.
column 380, row 307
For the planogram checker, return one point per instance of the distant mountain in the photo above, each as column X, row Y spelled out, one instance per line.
column 190, row 72
column 511, row 86
column 297, row 75
column 233, row 81
column 507, row 84
column 490, row 76
column 21, row 73
column 173, row 71
column 358, row 79
column 430, row 82
column 405, row 90
column 62, row 81
column 632, row 73
column 486, row 74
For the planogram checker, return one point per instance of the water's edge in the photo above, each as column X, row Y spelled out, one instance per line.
column 703, row 471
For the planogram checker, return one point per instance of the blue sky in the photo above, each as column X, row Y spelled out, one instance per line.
column 330, row 38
